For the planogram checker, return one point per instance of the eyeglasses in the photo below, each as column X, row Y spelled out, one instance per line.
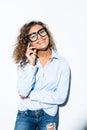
column 34, row 36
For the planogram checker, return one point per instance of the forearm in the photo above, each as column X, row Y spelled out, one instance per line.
column 54, row 97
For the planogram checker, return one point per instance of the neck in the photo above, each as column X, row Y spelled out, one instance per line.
column 44, row 54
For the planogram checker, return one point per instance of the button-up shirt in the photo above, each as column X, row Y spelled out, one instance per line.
column 46, row 86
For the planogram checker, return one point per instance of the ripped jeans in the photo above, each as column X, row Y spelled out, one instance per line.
column 35, row 120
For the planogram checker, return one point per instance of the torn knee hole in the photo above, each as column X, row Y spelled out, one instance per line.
column 51, row 126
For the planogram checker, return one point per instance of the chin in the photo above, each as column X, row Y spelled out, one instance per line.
column 43, row 49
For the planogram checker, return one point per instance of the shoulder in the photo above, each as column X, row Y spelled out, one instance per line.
column 64, row 63
column 61, row 60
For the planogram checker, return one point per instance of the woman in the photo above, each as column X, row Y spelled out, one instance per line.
column 43, row 78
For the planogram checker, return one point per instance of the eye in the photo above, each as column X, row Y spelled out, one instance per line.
column 42, row 31
column 31, row 36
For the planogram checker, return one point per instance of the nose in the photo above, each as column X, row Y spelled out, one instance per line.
column 39, row 36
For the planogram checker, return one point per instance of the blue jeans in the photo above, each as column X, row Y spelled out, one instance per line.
column 35, row 120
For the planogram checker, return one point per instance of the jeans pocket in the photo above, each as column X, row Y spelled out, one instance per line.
column 22, row 113
column 25, row 113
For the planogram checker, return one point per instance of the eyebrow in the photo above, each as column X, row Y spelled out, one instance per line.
column 36, row 31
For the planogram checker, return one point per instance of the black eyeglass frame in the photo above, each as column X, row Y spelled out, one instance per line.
column 38, row 32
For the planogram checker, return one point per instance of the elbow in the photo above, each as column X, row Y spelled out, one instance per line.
column 63, row 100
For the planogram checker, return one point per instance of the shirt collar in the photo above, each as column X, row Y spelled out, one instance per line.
column 55, row 54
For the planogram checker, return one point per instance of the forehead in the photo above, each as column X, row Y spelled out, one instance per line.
column 35, row 28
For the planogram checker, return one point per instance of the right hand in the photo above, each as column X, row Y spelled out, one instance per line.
column 31, row 54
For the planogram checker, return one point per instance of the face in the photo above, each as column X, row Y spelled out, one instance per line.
column 38, row 37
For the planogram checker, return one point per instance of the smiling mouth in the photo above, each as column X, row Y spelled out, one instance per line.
column 41, row 42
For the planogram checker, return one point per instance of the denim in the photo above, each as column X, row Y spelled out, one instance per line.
column 35, row 120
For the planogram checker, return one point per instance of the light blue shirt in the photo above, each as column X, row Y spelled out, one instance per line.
column 46, row 86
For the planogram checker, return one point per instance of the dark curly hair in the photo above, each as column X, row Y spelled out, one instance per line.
column 22, row 42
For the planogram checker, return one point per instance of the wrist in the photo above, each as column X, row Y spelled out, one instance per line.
column 32, row 63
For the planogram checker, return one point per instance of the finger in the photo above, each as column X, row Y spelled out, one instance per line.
column 30, row 50
column 28, row 45
column 33, row 48
column 21, row 97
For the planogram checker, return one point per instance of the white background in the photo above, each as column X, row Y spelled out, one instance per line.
column 67, row 19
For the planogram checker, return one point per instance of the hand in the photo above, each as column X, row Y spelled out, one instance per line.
column 23, row 97
column 31, row 54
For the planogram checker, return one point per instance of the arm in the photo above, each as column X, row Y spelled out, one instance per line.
column 59, row 95
column 26, row 75
column 26, row 79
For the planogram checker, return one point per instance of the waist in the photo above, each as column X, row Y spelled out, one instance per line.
column 26, row 104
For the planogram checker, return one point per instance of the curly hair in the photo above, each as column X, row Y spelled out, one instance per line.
column 22, row 42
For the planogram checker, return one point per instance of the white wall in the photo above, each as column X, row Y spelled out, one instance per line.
column 67, row 19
